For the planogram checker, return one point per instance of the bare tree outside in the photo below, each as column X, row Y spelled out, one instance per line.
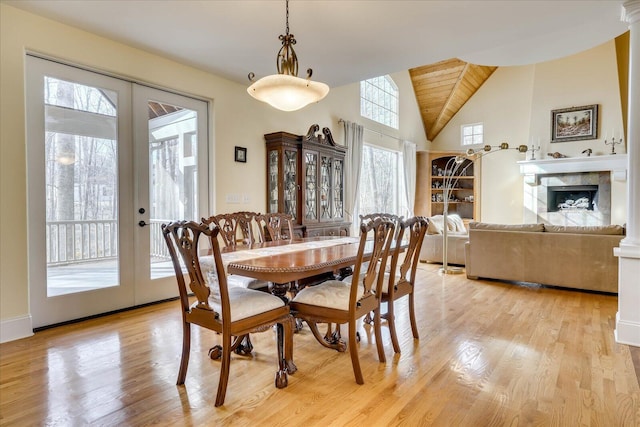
column 381, row 182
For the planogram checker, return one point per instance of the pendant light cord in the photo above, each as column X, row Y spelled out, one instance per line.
column 287, row 15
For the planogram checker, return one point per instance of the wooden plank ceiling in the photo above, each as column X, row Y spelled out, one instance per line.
column 443, row 88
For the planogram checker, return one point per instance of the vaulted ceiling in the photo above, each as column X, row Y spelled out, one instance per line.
column 443, row 88
column 230, row 38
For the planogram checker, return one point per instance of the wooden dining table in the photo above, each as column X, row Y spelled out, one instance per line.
column 284, row 262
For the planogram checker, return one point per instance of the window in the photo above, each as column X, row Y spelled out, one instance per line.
column 472, row 134
column 379, row 100
column 381, row 182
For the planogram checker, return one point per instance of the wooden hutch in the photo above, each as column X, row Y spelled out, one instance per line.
column 305, row 179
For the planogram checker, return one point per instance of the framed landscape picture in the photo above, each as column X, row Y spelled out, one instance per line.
column 574, row 124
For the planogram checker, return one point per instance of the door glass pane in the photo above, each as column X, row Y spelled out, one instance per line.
column 173, row 176
column 81, row 181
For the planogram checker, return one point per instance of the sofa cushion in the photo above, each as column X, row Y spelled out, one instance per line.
column 615, row 230
column 531, row 228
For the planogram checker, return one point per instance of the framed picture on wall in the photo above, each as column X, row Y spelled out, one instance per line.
column 574, row 124
column 241, row 154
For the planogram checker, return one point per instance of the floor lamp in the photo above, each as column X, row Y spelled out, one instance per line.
column 457, row 166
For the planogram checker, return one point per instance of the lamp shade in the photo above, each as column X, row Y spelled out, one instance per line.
column 287, row 93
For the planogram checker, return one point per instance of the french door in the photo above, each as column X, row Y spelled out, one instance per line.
column 108, row 162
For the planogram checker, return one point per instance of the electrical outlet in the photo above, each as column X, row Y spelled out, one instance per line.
column 246, row 199
column 233, row 198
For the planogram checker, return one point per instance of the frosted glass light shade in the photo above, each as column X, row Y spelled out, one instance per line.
column 287, row 93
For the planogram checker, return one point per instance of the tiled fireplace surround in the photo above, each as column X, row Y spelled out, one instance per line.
column 565, row 173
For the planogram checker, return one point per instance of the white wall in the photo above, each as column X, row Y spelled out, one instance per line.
column 515, row 106
column 237, row 119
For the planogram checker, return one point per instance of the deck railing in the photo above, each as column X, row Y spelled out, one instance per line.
column 70, row 242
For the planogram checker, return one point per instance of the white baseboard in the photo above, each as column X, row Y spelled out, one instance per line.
column 15, row 328
column 627, row 332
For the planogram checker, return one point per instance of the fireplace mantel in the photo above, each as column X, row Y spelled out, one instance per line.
column 615, row 163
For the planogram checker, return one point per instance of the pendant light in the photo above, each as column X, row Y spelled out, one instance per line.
column 285, row 90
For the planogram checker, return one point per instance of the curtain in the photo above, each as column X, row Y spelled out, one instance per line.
column 409, row 156
column 353, row 140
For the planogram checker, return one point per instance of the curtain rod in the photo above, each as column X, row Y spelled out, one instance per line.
column 376, row 131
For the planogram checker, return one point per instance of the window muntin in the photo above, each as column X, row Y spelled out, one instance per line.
column 472, row 134
column 379, row 100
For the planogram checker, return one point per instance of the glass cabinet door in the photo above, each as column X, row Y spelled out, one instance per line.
column 338, row 189
column 311, row 177
column 273, row 181
column 291, row 183
column 325, row 188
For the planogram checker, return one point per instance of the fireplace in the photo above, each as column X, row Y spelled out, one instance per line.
column 574, row 190
column 572, row 197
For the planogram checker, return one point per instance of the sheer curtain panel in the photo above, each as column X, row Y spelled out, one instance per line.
column 409, row 156
column 353, row 140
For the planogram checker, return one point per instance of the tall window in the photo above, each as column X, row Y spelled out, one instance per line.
column 381, row 182
column 379, row 100
column 472, row 134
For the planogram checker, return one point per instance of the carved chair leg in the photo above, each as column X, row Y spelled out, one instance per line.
column 377, row 327
column 353, row 351
column 186, row 351
column 224, row 369
column 391, row 321
column 412, row 317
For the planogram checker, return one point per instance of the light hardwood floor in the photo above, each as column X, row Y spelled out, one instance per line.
column 489, row 354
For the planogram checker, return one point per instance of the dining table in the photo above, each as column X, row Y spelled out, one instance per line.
column 284, row 262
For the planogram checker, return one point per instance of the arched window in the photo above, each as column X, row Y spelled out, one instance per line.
column 379, row 100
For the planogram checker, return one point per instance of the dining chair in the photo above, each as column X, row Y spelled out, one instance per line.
column 397, row 220
column 230, row 311
column 338, row 302
column 275, row 226
column 400, row 282
column 234, row 228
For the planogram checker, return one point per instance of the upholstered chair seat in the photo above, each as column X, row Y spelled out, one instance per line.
column 330, row 294
column 246, row 302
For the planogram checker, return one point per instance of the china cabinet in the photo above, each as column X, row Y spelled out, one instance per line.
column 305, row 179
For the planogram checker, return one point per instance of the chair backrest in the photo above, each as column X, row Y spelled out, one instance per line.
column 230, row 224
column 183, row 238
column 275, row 226
column 416, row 228
column 378, row 233
column 397, row 219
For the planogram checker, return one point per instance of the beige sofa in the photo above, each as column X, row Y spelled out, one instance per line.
column 572, row 257
column 431, row 250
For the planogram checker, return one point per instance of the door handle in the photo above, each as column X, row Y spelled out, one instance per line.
column 142, row 223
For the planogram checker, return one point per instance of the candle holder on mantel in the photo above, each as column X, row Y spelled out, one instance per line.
column 613, row 144
column 533, row 150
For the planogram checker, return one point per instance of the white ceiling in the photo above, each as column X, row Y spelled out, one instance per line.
column 343, row 41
